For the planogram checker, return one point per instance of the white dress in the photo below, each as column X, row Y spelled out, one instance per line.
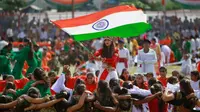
column 146, row 61
column 123, row 53
column 167, row 52
column 195, row 85
column 193, row 45
column 186, row 66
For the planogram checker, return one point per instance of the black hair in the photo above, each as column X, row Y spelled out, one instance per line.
column 78, row 81
column 155, row 88
column 127, row 85
column 186, row 89
column 108, row 52
column 104, row 94
column 113, row 82
column 124, row 105
column 9, row 85
column 172, row 80
column 33, row 92
column 195, row 73
column 163, row 68
column 38, row 74
column 80, row 88
column 97, row 73
column 154, row 39
column 51, row 73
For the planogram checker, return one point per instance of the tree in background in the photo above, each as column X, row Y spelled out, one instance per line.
column 10, row 5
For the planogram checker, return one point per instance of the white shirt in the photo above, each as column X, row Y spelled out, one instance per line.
column 193, row 45
column 197, row 42
column 195, row 85
column 173, row 87
column 97, row 44
column 166, row 50
column 9, row 32
column 21, row 35
column 146, row 61
column 90, row 65
column 124, row 53
column 197, row 94
column 43, row 35
column 59, row 85
column 137, row 90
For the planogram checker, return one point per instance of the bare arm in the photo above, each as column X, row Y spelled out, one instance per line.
column 103, row 108
column 79, row 105
column 35, row 100
column 8, row 105
column 198, row 103
column 43, row 105
column 115, row 101
column 168, row 96
column 147, row 99
column 123, row 97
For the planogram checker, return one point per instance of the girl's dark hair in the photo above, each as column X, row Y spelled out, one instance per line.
column 33, row 92
column 51, row 73
column 123, row 71
column 97, row 73
column 172, row 80
column 39, row 74
column 78, row 81
column 104, row 94
column 124, row 105
column 135, row 83
column 195, row 73
column 152, row 81
column 9, row 45
column 186, row 89
column 9, row 85
column 127, row 85
column 80, row 88
column 113, row 82
column 155, row 88
column 108, row 52
column 122, row 77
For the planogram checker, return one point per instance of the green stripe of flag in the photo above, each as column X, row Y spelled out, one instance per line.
column 125, row 31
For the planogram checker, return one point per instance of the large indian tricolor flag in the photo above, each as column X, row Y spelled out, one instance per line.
column 121, row 21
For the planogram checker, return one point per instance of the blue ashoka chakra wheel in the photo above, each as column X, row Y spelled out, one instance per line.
column 101, row 25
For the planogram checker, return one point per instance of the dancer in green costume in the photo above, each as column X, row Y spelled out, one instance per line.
column 38, row 55
column 36, row 78
column 176, row 51
column 30, row 57
column 187, row 46
column 19, row 64
column 5, row 54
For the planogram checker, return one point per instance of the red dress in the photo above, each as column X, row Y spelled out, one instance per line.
column 110, row 61
column 154, row 106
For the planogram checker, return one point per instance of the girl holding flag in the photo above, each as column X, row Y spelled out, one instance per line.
column 108, row 55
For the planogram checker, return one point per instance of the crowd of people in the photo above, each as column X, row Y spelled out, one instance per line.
column 101, row 82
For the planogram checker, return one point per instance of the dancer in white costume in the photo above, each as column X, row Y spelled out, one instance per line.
column 124, row 57
column 109, row 57
column 146, row 59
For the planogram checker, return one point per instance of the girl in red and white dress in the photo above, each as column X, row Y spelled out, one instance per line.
column 108, row 55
